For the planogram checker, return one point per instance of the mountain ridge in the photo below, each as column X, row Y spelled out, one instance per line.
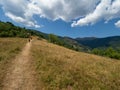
column 113, row 41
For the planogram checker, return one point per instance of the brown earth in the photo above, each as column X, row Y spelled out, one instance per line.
column 21, row 73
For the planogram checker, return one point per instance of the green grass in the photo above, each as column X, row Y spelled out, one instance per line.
column 63, row 69
column 9, row 48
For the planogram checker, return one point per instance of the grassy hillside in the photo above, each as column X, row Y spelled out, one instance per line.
column 63, row 69
column 9, row 48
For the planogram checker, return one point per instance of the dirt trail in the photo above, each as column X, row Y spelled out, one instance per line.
column 20, row 75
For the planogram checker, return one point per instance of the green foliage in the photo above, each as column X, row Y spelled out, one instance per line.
column 109, row 52
column 54, row 39
column 7, row 29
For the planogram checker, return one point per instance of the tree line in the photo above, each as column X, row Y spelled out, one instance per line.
column 109, row 52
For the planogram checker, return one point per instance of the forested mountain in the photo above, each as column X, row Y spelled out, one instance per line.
column 92, row 42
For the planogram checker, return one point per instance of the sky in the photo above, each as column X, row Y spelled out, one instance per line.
column 73, row 18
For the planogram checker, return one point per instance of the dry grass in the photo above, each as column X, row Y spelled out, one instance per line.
column 9, row 48
column 63, row 69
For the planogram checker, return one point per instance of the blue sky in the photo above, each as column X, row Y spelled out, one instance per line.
column 100, row 18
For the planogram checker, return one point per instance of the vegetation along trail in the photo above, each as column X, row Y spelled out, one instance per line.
column 21, row 74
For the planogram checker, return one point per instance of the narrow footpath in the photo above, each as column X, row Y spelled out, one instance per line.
column 21, row 74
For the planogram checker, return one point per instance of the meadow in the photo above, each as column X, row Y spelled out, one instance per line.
column 59, row 68
column 63, row 69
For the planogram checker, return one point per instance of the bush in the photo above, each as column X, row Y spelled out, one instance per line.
column 109, row 52
column 54, row 39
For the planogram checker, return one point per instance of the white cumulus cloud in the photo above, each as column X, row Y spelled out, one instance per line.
column 20, row 11
column 105, row 10
column 80, row 12
column 117, row 24
column 65, row 9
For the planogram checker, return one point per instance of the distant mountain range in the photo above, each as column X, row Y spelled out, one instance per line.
column 93, row 42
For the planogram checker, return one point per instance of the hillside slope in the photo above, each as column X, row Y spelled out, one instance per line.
column 7, row 29
column 63, row 69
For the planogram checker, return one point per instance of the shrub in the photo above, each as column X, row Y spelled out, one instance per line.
column 109, row 52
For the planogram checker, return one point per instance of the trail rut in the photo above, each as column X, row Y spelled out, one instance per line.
column 20, row 75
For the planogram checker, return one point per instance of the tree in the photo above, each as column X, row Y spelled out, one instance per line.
column 53, row 38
